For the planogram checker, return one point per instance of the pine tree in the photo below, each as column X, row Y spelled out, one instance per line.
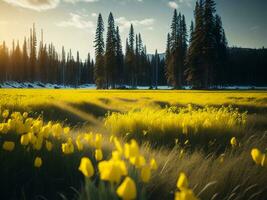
column 25, row 60
column 221, row 50
column 99, row 69
column 177, row 46
column 63, row 65
column 130, row 58
column 209, row 43
column 168, row 71
column 110, row 55
column 119, row 58
column 33, row 54
column 194, row 60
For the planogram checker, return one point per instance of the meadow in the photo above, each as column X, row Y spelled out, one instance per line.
column 87, row 144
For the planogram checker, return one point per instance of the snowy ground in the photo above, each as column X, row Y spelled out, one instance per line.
column 12, row 84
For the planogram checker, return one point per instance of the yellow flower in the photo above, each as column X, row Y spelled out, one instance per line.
column 127, row 190
column 86, row 167
column 118, row 145
column 57, row 130
column 182, row 182
column 25, row 115
column 66, row 130
column 98, row 154
column 68, row 148
column 24, row 140
column 4, row 128
column 112, row 170
column 131, row 150
column 5, row 114
column 79, row 144
column 138, row 161
column 38, row 143
column 153, row 164
column 98, row 141
column 48, row 145
column 9, row 146
column 257, row 156
column 146, row 174
column 233, row 141
column 38, row 162
column 185, row 195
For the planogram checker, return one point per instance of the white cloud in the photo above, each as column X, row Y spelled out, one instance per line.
column 124, row 23
column 77, row 1
column 76, row 21
column 38, row 5
column 41, row 5
column 94, row 14
column 173, row 4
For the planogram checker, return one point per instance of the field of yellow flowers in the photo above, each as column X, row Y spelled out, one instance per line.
column 105, row 145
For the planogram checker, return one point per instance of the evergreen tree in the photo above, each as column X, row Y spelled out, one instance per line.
column 194, row 60
column 209, row 43
column 25, row 60
column 99, row 69
column 119, row 58
column 33, row 54
column 130, row 58
column 110, row 55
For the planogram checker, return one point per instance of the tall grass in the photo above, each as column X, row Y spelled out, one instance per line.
column 169, row 125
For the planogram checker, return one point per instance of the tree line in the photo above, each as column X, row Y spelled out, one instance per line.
column 26, row 63
column 198, row 57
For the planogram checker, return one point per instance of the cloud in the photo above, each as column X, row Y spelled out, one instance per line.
column 42, row 5
column 178, row 3
column 94, row 15
column 76, row 21
column 77, row 1
column 38, row 5
column 173, row 4
column 124, row 23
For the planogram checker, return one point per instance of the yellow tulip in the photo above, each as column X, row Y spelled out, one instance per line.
column 138, row 161
column 48, row 145
column 131, row 150
column 25, row 115
column 112, row 170
column 256, row 156
column 153, row 164
column 98, row 154
column 24, row 140
column 5, row 114
column 79, row 144
column 4, row 128
column 127, row 190
column 68, row 148
column 66, row 130
column 57, row 130
column 9, row 146
column 185, row 195
column 98, row 141
column 146, row 174
column 86, row 167
column 38, row 162
column 233, row 141
column 182, row 182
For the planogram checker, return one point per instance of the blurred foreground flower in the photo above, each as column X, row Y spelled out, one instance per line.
column 86, row 167
column 127, row 190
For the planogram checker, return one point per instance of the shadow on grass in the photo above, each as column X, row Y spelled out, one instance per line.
column 73, row 114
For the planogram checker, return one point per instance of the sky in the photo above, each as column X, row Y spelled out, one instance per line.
column 72, row 22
